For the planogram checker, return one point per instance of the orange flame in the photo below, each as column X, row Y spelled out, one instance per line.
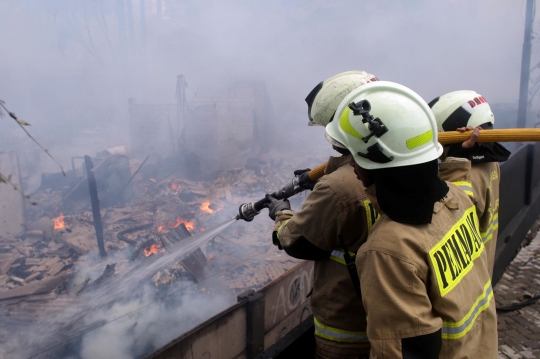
column 152, row 249
column 210, row 257
column 175, row 186
column 59, row 222
column 189, row 225
column 205, row 207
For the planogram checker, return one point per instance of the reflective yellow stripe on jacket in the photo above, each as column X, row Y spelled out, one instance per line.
column 456, row 330
column 371, row 214
column 465, row 186
column 338, row 335
column 337, row 255
column 494, row 226
column 281, row 229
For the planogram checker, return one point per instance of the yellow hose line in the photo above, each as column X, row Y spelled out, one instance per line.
column 447, row 138
column 502, row 135
column 317, row 172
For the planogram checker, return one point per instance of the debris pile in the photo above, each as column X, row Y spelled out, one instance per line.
column 56, row 258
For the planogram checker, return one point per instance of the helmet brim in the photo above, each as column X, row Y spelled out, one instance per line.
column 334, row 142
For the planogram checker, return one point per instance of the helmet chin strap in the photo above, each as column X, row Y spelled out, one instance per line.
column 377, row 128
column 375, row 154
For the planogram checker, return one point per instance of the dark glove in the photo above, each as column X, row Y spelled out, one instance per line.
column 487, row 152
column 275, row 206
column 305, row 181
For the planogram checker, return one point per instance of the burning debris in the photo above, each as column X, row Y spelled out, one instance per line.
column 190, row 225
column 55, row 259
column 59, row 222
column 205, row 207
column 152, row 249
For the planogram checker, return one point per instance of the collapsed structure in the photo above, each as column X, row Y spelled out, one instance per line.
column 150, row 198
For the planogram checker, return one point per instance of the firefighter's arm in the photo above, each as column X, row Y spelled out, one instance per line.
column 295, row 245
column 309, row 233
column 400, row 321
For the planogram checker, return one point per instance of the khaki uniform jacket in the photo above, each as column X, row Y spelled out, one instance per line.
column 337, row 205
column 485, row 179
column 418, row 279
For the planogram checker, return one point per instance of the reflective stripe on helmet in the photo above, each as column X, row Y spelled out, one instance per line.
column 346, row 125
column 419, row 140
column 456, row 330
column 339, row 335
column 465, row 186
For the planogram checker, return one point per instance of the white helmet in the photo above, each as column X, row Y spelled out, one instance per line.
column 324, row 99
column 460, row 109
column 384, row 124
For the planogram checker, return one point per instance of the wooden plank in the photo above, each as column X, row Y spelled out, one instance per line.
column 286, row 325
column 33, row 261
column 287, row 293
column 56, row 268
column 221, row 337
column 4, row 267
column 43, row 286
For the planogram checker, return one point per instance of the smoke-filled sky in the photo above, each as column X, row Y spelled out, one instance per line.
column 69, row 66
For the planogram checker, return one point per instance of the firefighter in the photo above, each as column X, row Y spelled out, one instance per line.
column 463, row 110
column 423, row 271
column 334, row 221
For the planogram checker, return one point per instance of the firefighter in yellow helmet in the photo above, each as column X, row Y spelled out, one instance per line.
column 334, row 221
column 460, row 110
column 423, row 271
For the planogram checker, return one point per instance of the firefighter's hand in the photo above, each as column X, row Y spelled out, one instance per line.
column 299, row 172
column 275, row 206
column 305, row 181
column 474, row 136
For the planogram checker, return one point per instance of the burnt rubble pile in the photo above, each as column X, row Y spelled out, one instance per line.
column 56, row 259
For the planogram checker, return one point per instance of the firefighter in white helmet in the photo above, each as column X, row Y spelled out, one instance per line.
column 423, row 271
column 334, row 221
column 461, row 110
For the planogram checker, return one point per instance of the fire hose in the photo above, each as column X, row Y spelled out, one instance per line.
column 248, row 211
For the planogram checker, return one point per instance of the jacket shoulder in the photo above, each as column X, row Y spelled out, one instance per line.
column 344, row 183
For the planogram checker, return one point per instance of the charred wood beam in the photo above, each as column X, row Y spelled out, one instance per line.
column 122, row 235
column 92, row 187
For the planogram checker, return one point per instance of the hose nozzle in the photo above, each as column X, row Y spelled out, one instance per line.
column 247, row 212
